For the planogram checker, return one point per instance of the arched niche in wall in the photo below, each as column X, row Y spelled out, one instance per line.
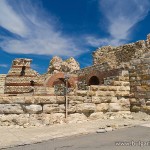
column 58, row 78
column 94, row 80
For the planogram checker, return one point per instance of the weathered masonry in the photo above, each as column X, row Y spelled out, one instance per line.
column 117, row 83
column 2, row 83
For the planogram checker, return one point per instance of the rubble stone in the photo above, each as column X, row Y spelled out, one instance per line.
column 58, row 65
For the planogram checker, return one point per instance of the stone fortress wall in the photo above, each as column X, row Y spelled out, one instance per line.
column 116, row 85
column 140, row 84
column 122, row 55
column 95, row 103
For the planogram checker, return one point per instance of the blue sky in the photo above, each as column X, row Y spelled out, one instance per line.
column 41, row 29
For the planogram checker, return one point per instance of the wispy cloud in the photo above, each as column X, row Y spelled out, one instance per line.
column 121, row 16
column 10, row 20
column 4, row 65
column 35, row 66
column 36, row 31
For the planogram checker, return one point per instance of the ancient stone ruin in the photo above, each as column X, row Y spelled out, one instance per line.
column 117, row 84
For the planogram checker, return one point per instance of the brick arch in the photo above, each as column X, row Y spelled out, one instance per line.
column 50, row 80
column 93, row 74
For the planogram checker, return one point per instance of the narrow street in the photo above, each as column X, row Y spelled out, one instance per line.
column 134, row 138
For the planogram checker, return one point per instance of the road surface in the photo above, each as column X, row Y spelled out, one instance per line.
column 134, row 138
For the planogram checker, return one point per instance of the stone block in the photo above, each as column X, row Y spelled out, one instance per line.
column 97, row 100
column 115, row 107
column 148, row 94
column 108, row 129
column 148, row 102
column 146, row 109
column 133, row 100
column 112, row 88
column 102, row 88
column 140, row 95
column 105, row 93
column 49, row 99
column 60, row 99
column 32, row 109
column 145, row 77
column 76, row 117
column 124, row 112
column 101, row 131
column 81, row 93
column 10, row 109
column 122, row 93
column 96, row 115
column 103, row 107
column 14, row 119
column 85, row 108
column 71, row 109
column 122, row 78
column 62, row 108
column 5, row 100
column 104, row 99
column 45, row 99
column 133, row 88
column 145, row 82
column 76, row 98
column 145, row 61
column 114, row 100
column 21, row 119
column 123, row 88
column 135, row 108
column 73, row 102
column 30, row 100
column 51, row 108
column 117, row 83
column 88, row 100
column 57, row 118
column 124, row 73
column 36, row 119
column 94, row 88
column 124, row 100
column 91, row 93
column 46, row 119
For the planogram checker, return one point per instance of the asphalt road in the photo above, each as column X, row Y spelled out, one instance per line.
column 135, row 138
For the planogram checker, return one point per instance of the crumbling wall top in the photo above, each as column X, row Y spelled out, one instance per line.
column 58, row 65
column 119, row 55
column 22, row 62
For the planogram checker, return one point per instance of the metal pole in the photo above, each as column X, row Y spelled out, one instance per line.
column 66, row 98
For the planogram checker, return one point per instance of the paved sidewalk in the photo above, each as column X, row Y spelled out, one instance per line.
column 12, row 136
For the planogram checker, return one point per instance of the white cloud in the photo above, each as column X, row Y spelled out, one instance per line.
column 98, row 42
column 10, row 20
column 121, row 16
column 38, row 32
column 3, row 65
